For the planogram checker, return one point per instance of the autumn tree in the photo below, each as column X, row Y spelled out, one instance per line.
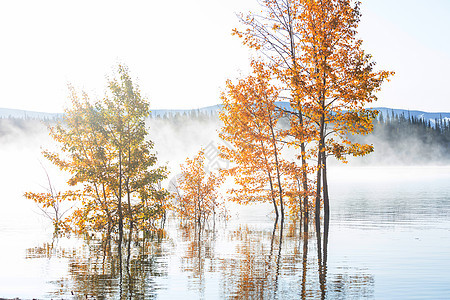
column 198, row 191
column 272, row 34
column 103, row 146
column 124, row 113
column 250, row 121
column 311, row 46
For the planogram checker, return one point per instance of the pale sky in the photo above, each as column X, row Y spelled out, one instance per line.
column 181, row 52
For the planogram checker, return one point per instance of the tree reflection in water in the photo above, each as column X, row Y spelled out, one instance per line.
column 96, row 271
column 249, row 262
column 275, row 264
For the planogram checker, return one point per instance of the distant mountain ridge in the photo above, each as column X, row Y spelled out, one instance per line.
column 25, row 114
column 384, row 110
column 414, row 113
column 206, row 109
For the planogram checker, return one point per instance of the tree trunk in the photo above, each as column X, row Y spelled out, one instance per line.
column 320, row 152
column 326, row 200
column 130, row 215
column 305, row 190
column 273, row 198
column 277, row 165
column 120, row 209
column 300, row 213
column 304, row 173
column 296, row 83
column 318, row 193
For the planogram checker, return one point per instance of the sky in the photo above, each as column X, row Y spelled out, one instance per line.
column 182, row 52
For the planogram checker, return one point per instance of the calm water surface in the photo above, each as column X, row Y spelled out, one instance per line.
column 389, row 239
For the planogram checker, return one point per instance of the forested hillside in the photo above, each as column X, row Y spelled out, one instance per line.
column 399, row 136
column 408, row 139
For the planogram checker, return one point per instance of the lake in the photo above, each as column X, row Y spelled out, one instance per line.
column 389, row 238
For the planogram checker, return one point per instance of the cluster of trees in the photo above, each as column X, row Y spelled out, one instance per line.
column 199, row 115
column 396, row 125
column 403, row 138
column 197, row 192
column 309, row 56
column 112, row 167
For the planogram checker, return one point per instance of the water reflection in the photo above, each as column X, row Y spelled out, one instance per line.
column 97, row 270
column 198, row 257
column 240, row 263
column 396, row 234
column 273, row 264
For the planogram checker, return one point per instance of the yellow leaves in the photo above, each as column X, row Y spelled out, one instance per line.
column 251, row 119
column 198, row 190
column 104, row 148
column 317, row 62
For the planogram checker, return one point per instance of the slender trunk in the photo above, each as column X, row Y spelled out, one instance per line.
column 319, row 172
column 273, row 198
column 108, row 213
column 130, row 214
column 199, row 214
column 326, row 201
column 120, row 210
column 318, row 235
column 272, row 194
column 296, row 85
column 119, row 250
column 120, row 213
column 304, row 172
column 300, row 213
column 214, row 217
column 318, row 190
column 197, row 207
column 305, row 192
column 277, row 165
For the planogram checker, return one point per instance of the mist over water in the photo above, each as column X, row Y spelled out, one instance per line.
column 176, row 141
column 389, row 232
column 401, row 144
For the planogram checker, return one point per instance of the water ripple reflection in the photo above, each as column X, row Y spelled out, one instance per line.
column 387, row 240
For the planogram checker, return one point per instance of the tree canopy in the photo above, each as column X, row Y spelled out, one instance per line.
column 104, row 147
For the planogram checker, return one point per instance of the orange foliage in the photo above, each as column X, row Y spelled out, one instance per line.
column 198, row 197
column 312, row 49
column 250, row 120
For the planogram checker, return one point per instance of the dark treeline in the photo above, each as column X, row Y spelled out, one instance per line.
column 398, row 138
column 407, row 139
column 394, row 125
column 190, row 115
